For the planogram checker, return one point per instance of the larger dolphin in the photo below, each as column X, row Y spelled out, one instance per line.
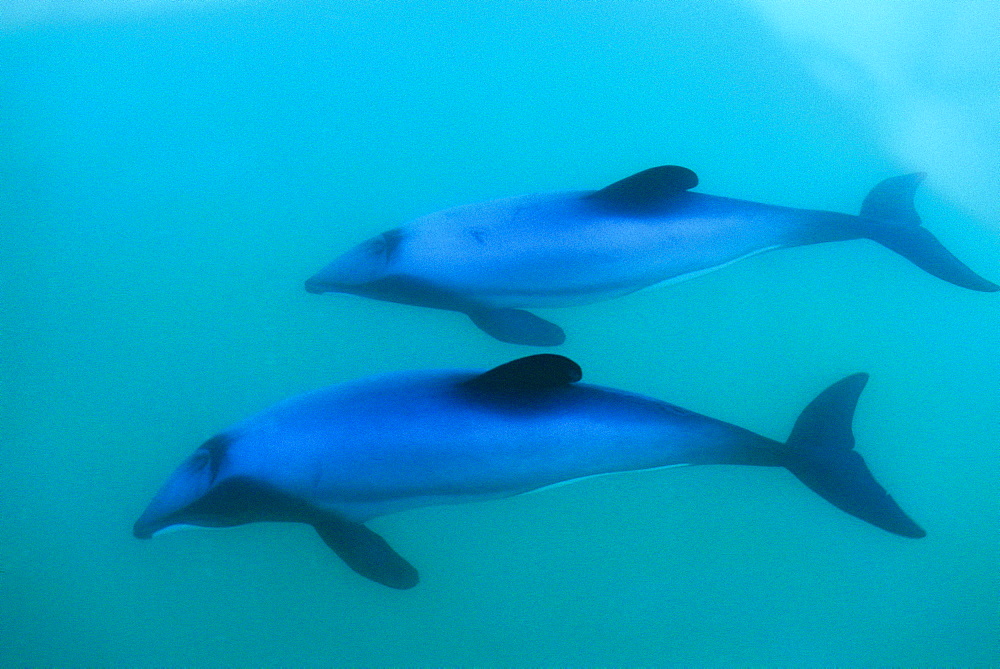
column 339, row 456
column 494, row 259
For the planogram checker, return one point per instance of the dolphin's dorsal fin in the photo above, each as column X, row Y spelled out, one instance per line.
column 647, row 189
column 535, row 372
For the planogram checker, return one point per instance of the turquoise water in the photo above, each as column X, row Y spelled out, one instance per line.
column 169, row 179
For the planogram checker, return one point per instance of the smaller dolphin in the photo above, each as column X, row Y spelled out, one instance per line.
column 494, row 259
column 339, row 456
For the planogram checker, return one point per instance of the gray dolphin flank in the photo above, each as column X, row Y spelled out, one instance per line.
column 337, row 457
column 493, row 260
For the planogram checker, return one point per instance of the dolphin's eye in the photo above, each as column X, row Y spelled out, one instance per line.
column 199, row 460
column 210, row 454
column 391, row 239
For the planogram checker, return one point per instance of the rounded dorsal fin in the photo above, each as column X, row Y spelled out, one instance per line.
column 646, row 189
column 535, row 372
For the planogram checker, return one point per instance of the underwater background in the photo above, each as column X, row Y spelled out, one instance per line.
column 170, row 174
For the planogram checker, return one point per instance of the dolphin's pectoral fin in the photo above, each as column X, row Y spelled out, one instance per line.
column 366, row 552
column 535, row 372
column 646, row 190
column 516, row 326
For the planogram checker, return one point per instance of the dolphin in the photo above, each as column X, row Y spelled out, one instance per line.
column 337, row 457
column 493, row 260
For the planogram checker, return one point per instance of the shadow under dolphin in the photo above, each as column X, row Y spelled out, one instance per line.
column 337, row 457
column 493, row 260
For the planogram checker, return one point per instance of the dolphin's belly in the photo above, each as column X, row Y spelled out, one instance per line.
column 561, row 253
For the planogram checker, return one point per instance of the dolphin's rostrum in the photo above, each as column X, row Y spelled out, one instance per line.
column 337, row 457
column 493, row 260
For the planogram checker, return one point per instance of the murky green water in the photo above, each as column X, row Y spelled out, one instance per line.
column 170, row 179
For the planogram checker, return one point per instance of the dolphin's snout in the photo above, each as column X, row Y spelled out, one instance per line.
column 315, row 286
column 145, row 528
column 363, row 264
column 328, row 281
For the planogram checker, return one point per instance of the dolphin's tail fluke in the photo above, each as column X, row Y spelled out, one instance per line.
column 891, row 220
column 820, row 452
